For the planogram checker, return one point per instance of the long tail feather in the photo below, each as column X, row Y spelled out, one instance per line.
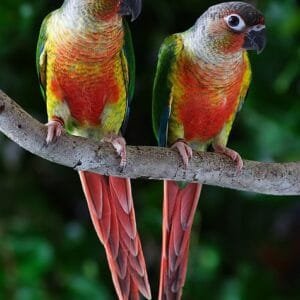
column 179, row 209
column 111, row 208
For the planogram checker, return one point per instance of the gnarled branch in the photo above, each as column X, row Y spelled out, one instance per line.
column 146, row 162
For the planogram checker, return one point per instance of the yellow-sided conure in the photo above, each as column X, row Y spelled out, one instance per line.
column 86, row 68
column 202, row 79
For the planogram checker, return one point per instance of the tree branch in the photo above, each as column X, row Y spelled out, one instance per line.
column 145, row 162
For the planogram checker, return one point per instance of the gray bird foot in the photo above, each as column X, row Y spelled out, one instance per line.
column 119, row 144
column 185, row 151
column 233, row 155
column 54, row 131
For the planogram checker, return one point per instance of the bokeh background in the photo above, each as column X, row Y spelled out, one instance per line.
column 244, row 246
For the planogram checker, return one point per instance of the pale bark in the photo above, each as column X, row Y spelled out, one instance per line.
column 146, row 162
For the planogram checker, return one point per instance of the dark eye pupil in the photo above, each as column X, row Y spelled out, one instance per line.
column 233, row 21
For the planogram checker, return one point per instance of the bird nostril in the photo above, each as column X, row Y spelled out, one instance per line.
column 257, row 27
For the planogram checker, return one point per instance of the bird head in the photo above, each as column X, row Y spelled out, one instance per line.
column 234, row 26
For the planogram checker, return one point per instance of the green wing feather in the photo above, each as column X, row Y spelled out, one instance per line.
column 129, row 70
column 162, row 98
column 41, row 56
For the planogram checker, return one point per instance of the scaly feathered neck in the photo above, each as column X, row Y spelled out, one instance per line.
column 91, row 8
column 205, row 47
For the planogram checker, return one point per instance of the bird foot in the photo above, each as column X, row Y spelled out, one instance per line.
column 185, row 151
column 236, row 158
column 54, row 131
column 119, row 145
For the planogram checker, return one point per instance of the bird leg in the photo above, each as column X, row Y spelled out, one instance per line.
column 231, row 154
column 119, row 144
column 54, row 130
column 185, row 151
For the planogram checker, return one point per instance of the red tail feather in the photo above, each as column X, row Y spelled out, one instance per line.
column 111, row 208
column 179, row 209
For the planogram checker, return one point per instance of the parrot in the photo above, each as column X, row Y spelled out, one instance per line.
column 201, row 81
column 86, row 69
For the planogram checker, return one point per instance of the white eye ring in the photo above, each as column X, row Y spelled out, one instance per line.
column 235, row 22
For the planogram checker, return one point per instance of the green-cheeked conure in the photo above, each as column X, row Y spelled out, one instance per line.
column 86, row 68
column 202, row 79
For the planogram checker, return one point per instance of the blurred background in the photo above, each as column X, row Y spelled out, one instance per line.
column 244, row 246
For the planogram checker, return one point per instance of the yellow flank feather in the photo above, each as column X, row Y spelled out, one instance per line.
column 246, row 79
column 223, row 136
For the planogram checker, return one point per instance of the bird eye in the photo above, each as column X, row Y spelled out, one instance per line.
column 235, row 22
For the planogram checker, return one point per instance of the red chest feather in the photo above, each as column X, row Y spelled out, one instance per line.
column 87, row 74
column 206, row 103
column 87, row 97
column 86, row 87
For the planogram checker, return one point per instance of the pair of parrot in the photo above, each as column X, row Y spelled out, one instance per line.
column 86, row 69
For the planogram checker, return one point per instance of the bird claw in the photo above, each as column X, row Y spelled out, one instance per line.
column 185, row 151
column 54, row 131
column 119, row 145
column 233, row 155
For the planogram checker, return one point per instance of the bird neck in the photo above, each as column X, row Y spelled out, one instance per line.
column 92, row 9
column 206, row 48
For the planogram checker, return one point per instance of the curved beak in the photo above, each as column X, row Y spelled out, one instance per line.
column 255, row 38
column 131, row 7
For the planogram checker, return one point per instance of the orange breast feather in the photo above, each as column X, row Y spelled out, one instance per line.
column 206, row 104
column 86, row 81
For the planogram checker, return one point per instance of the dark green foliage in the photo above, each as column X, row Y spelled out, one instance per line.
column 248, row 246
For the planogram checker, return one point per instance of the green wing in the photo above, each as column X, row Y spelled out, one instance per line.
column 41, row 56
column 128, row 70
column 162, row 99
